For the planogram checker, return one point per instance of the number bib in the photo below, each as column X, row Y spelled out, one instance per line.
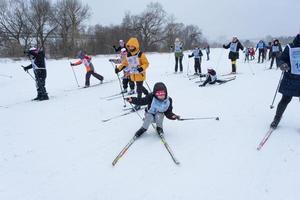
column 295, row 60
column 275, row 48
column 178, row 47
column 133, row 63
column 233, row 47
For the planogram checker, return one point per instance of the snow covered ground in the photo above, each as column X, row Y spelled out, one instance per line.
column 60, row 149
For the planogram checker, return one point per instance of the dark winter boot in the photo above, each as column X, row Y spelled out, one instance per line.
column 275, row 122
column 140, row 132
column 44, row 97
column 37, row 98
column 159, row 130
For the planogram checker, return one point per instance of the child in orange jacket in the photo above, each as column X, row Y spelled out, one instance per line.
column 90, row 70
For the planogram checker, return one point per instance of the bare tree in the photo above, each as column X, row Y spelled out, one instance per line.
column 13, row 25
column 171, row 31
column 191, row 36
column 40, row 18
column 150, row 25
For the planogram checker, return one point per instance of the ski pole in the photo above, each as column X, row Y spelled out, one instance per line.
column 6, row 76
column 188, row 67
column 28, row 73
column 75, row 77
column 198, row 118
column 148, row 86
column 272, row 105
column 251, row 69
column 120, row 87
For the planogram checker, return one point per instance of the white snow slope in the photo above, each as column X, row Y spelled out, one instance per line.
column 61, row 150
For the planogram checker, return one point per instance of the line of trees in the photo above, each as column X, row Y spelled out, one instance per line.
column 60, row 28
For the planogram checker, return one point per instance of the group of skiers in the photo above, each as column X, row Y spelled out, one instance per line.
column 134, row 64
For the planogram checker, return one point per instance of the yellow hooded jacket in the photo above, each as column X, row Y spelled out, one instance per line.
column 143, row 61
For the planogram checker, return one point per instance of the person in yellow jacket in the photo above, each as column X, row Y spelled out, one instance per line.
column 136, row 63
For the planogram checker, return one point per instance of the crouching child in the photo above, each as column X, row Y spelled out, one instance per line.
column 159, row 105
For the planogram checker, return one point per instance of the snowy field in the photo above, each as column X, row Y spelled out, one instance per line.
column 61, row 150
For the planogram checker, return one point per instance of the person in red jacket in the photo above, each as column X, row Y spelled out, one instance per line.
column 90, row 70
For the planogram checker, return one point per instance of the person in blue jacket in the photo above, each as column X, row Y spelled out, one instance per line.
column 289, row 63
column 261, row 45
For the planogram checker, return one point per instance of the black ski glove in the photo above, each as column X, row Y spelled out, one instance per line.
column 116, row 70
column 140, row 69
column 25, row 69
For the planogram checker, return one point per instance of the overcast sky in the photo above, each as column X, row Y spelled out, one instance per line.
column 216, row 18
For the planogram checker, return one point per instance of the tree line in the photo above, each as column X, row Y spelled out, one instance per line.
column 60, row 28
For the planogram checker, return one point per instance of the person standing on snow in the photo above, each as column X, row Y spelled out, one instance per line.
column 276, row 50
column 207, row 50
column 234, row 47
column 126, row 77
column 261, row 51
column 178, row 50
column 289, row 63
column 37, row 58
column 197, row 54
column 137, row 63
column 90, row 70
column 159, row 105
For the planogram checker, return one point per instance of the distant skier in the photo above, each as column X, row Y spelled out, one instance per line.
column 261, row 51
column 234, row 47
column 121, row 46
column 211, row 78
column 276, row 50
column 126, row 77
column 289, row 63
column 159, row 105
column 252, row 53
column 178, row 50
column 137, row 63
column 37, row 58
column 90, row 70
column 247, row 54
column 197, row 54
column 207, row 50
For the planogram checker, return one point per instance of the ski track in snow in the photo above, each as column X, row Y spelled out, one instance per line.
column 59, row 149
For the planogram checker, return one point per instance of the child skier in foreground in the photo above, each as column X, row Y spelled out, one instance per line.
column 159, row 105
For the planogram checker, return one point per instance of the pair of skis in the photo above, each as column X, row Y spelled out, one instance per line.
column 163, row 140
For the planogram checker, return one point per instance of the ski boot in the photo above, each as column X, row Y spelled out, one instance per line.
column 140, row 132
column 275, row 122
column 160, row 131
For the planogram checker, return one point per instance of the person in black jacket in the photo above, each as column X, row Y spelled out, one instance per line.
column 234, row 47
column 159, row 105
column 37, row 58
column 275, row 50
column 122, row 45
column 197, row 54
column 289, row 63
